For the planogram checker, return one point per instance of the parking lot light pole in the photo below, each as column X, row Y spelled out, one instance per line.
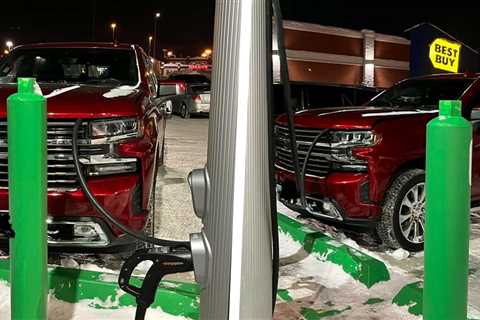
column 448, row 173
column 114, row 27
column 27, row 186
column 150, row 38
column 155, row 22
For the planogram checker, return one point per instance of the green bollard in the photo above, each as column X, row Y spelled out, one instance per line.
column 27, row 186
column 448, row 183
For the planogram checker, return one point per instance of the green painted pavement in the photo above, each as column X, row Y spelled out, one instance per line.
column 284, row 295
column 374, row 301
column 411, row 296
column 360, row 266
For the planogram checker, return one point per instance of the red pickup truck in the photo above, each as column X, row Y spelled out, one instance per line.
column 368, row 166
column 114, row 89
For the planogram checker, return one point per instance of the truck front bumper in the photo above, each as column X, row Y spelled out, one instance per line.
column 75, row 226
column 339, row 196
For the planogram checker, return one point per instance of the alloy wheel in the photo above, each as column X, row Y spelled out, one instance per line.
column 412, row 214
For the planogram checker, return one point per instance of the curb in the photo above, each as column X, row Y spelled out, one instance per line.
column 102, row 291
column 360, row 266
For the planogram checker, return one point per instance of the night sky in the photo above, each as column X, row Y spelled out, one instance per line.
column 186, row 26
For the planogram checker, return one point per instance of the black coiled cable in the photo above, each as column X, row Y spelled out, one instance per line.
column 107, row 215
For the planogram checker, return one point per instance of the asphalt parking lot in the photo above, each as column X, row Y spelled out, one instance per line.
column 186, row 142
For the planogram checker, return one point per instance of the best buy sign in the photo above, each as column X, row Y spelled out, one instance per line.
column 445, row 55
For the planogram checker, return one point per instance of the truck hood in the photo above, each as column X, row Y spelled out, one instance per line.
column 363, row 117
column 83, row 101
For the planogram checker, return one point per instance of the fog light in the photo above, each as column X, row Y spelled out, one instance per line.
column 327, row 206
column 84, row 231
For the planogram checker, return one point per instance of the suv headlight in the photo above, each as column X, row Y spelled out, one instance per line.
column 353, row 138
column 116, row 128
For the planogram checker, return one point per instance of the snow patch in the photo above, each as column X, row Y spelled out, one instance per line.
column 69, row 263
column 308, row 265
column 96, row 268
column 120, row 92
column 398, row 113
column 399, row 254
column 37, row 89
column 108, row 277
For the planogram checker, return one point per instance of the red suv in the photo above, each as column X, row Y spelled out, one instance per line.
column 114, row 89
column 367, row 168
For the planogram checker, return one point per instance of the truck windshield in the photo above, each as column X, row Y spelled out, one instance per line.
column 71, row 65
column 421, row 93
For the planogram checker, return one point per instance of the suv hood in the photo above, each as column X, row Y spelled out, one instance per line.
column 364, row 117
column 83, row 101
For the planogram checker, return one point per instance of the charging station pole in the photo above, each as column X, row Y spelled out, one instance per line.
column 237, row 223
column 27, row 186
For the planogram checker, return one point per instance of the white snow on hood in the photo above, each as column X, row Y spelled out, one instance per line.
column 120, row 92
column 37, row 89
column 57, row 92
column 397, row 113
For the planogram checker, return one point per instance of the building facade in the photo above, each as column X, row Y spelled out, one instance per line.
column 345, row 57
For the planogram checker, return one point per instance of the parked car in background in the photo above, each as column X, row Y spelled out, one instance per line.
column 114, row 90
column 187, row 99
column 190, row 78
column 368, row 168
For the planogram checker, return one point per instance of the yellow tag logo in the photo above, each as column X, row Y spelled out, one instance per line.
column 445, row 55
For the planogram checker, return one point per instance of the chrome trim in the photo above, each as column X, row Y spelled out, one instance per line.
column 307, row 175
column 61, row 173
column 105, row 159
column 108, row 140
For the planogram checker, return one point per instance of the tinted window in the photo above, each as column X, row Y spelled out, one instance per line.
column 424, row 93
column 200, row 88
column 71, row 65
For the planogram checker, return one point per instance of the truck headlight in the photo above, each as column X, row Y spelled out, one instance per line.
column 115, row 128
column 352, row 138
column 344, row 144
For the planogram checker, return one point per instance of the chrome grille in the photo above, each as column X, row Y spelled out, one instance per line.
column 61, row 171
column 318, row 165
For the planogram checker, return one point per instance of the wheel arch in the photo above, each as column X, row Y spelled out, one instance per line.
column 415, row 163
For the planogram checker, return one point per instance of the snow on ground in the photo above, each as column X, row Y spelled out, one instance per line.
column 313, row 282
column 60, row 310
column 406, row 266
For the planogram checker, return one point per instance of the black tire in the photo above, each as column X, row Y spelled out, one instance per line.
column 184, row 113
column 389, row 228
